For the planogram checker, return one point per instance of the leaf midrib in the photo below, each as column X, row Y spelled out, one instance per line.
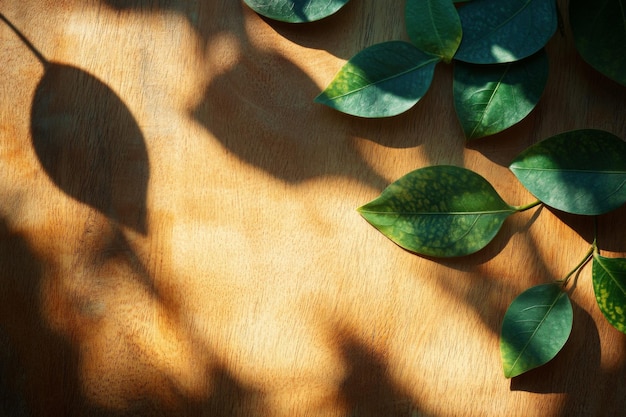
column 600, row 260
column 584, row 171
column 491, row 97
column 382, row 80
column 543, row 319
column 504, row 23
column 434, row 213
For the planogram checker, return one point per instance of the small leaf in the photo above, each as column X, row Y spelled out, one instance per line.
column 579, row 172
column 434, row 26
column 439, row 211
column 296, row 11
column 383, row 80
column 496, row 31
column 535, row 328
column 491, row 98
column 599, row 30
column 609, row 285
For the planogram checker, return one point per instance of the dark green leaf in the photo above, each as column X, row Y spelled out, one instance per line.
column 434, row 26
column 497, row 31
column 599, row 29
column 439, row 211
column 383, row 80
column 296, row 11
column 491, row 98
column 609, row 285
column 535, row 328
column 580, row 172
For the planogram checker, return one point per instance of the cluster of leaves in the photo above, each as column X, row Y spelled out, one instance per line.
column 500, row 70
column 448, row 211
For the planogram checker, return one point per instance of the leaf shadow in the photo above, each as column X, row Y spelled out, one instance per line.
column 87, row 141
column 311, row 141
column 316, row 34
column 90, row 145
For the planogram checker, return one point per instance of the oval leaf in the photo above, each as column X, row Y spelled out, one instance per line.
column 296, row 11
column 439, row 211
column 491, row 98
column 434, row 26
column 535, row 328
column 599, row 30
column 579, row 172
column 609, row 285
column 383, row 80
column 496, row 31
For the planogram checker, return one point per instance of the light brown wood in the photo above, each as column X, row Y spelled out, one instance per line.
column 178, row 233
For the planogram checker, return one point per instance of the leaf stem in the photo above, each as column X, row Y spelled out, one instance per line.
column 527, row 206
column 595, row 235
column 27, row 42
column 580, row 265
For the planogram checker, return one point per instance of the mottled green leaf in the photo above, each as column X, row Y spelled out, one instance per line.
column 580, row 172
column 383, row 80
column 609, row 285
column 599, row 29
column 497, row 31
column 535, row 328
column 439, row 211
column 491, row 98
column 296, row 11
column 434, row 26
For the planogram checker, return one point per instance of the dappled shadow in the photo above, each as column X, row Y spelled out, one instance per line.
column 46, row 369
column 367, row 389
column 41, row 368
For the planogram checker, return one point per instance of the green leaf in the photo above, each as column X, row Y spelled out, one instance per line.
column 434, row 26
column 497, row 31
column 535, row 328
column 296, row 11
column 383, row 80
column 599, row 29
column 439, row 211
column 609, row 285
column 579, row 172
column 491, row 98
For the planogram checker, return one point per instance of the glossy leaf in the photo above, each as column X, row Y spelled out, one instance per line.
column 296, row 11
column 434, row 26
column 496, row 31
column 599, row 29
column 535, row 328
column 609, row 285
column 491, row 98
column 383, row 80
column 439, row 211
column 580, row 172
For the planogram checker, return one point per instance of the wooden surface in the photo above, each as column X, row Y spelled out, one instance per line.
column 178, row 234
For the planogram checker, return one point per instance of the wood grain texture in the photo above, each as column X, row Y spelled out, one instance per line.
column 178, row 233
